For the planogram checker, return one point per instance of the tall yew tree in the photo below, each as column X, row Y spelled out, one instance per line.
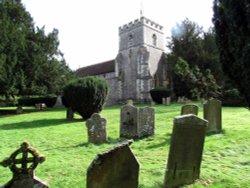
column 30, row 61
column 232, row 26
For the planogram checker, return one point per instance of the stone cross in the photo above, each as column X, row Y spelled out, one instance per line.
column 116, row 168
column 186, row 149
column 23, row 177
column 96, row 129
column 189, row 109
column 212, row 113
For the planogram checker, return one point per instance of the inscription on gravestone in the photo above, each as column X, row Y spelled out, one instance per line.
column 186, row 149
column 212, row 113
column 116, row 168
column 96, row 129
column 24, row 177
column 189, row 109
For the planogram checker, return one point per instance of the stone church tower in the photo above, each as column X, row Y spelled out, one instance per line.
column 139, row 66
column 141, row 47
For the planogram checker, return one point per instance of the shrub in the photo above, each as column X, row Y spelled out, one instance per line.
column 86, row 95
column 32, row 101
column 157, row 94
column 232, row 97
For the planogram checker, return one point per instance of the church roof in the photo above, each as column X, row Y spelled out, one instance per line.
column 97, row 69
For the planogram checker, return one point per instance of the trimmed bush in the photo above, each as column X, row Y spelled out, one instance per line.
column 232, row 97
column 32, row 101
column 86, row 95
column 157, row 94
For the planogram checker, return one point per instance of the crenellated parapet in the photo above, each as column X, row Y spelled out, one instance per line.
column 139, row 22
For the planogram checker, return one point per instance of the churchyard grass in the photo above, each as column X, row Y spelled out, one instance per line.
column 226, row 159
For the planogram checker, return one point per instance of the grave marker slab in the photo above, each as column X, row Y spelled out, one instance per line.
column 146, row 122
column 212, row 113
column 189, row 109
column 24, row 177
column 69, row 114
column 116, row 168
column 186, row 149
column 128, row 121
column 96, row 129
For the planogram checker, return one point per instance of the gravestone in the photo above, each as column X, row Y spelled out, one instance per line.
column 146, row 122
column 212, row 113
column 186, row 149
column 164, row 101
column 24, row 176
column 128, row 121
column 189, row 109
column 70, row 114
column 168, row 100
column 19, row 110
column 130, row 102
column 136, row 122
column 96, row 129
column 116, row 168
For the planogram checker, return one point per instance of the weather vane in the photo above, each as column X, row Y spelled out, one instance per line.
column 141, row 8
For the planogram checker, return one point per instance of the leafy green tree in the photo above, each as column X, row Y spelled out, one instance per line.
column 201, row 85
column 232, row 26
column 30, row 61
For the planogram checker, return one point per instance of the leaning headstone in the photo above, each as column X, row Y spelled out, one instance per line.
column 128, row 121
column 212, row 113
column 116, row 168
column 189, row 109
column 146, row 122
column 164, row 101
column 69, row 114
column 24, row 176
column 186, row 149
column 96, row 129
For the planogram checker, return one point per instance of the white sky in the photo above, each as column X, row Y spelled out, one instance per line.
column 88, row 29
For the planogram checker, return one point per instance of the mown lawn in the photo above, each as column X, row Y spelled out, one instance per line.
column 226, row 159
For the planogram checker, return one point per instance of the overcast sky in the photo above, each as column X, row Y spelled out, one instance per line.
column 88, row 29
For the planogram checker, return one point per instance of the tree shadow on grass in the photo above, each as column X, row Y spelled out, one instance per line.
column 34, row 124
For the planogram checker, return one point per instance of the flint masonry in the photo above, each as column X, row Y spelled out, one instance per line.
column 139, row 66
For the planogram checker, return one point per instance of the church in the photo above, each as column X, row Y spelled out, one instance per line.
column 139, row 66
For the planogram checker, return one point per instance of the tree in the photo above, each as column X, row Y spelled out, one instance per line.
column 202, row 85
column 86, row 95
column 232, row 27
column 30, row 61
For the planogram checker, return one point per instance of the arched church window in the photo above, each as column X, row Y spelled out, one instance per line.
column 130, row 40
column 154, row 38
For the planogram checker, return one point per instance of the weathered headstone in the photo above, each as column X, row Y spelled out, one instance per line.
column 69, row 114
column 59, row 101
column 19, row 110
column 168, row 100
column 212, row 113
column 116, row 168
column 96, row 129
column 136, row 122
column 186, row 149
column 189, row 109
column 130, row 102
column 164, row 101
column 24, row 177
column 128, row 121
column 146, row 122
